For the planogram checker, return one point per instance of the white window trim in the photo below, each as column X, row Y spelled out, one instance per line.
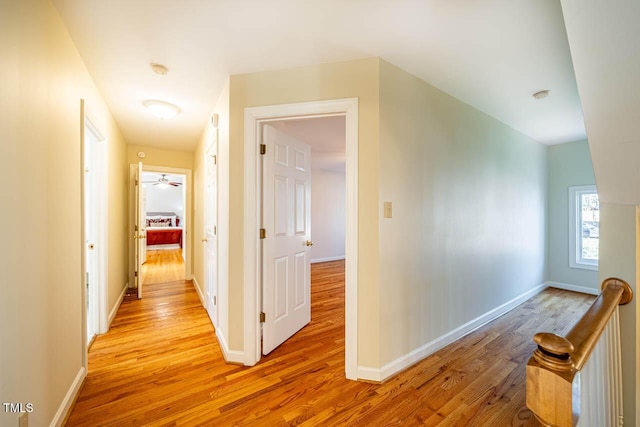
column 575, row 239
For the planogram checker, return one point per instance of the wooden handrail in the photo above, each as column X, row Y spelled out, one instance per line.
column 555, row 364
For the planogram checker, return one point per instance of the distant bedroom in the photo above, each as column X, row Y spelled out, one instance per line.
column 164, row 210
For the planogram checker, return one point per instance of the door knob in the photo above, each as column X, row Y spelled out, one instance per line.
column 205, row 239
column 308, row 243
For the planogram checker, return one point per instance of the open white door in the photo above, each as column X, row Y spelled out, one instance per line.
column 286, row 220
column 211, row 232
column 139, row 235
column 143, row 213
column 91, row 200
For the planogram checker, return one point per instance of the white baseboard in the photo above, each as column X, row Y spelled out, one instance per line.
column 403, row 362
column 69, row 398
column 198, row 291
column 230, row 356
column 332, row 258
column 115, row 308
column 575, row 288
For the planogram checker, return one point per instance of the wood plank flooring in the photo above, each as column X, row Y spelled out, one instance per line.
column 163, row 265
column 160, row 365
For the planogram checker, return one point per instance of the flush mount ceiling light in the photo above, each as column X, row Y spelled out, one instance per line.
column 159, row 69
column 161, row 109
column 541, row 94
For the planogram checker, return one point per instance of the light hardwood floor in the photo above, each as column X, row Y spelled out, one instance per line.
column 163, row 265
column 160, row 365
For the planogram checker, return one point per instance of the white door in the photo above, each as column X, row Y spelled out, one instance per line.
column 286, row 219
column 211, row 231
column 143, row 213
column 139, row 235
column 91, row 200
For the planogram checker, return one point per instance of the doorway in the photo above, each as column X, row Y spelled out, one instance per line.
column 255, row 117
column 93, row 226
column 303, row 214
column 161, row 210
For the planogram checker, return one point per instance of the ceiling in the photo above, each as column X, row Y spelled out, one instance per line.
column 152, row 177
column 492, row 54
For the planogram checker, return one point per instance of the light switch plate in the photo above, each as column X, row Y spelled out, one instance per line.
column 388, row 210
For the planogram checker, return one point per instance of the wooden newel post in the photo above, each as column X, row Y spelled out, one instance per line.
column 553, row 371
column 553, row 385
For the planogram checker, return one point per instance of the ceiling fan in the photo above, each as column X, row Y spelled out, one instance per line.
column 163, row 182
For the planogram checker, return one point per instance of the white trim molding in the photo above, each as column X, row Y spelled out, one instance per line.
column 253, row 118
column 574, row 288
column 332, row 258
column 575, row 236
column 230, row 356
column 198, row 291
column 409, row 359
column 69, row 399
column 188, row 220
column 115, row 308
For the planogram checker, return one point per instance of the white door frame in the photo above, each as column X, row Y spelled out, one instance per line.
column 253, row 118
column 89, row 120
column 188, row 186
column 207, row 285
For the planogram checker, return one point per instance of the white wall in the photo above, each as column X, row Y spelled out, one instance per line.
column 169, row 199
column 468, row 232
column 608, row 88
column 328, row 218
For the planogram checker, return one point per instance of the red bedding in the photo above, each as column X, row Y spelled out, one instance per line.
column 164, row 236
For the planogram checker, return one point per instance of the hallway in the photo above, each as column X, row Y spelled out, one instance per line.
column 161, row 365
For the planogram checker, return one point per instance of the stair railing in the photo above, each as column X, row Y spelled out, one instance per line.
column 553, row 371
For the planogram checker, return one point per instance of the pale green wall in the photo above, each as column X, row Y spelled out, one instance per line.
column 569, row 164
column 469, row 195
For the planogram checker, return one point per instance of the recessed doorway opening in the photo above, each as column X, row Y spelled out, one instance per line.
column 303, row 214
column 254, row 119
column 160, row 225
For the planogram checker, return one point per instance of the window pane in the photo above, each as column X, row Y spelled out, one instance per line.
column 590, row 225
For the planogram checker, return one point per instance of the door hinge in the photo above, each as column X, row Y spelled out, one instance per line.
column 263, row 317
column 135, row 273
column 136, row 182
column 215, row 230
column 215, row 300
column 263, row 149
column 263, row 233
column 215, row 159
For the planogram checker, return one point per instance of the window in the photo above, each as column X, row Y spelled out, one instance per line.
column 584, row 227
